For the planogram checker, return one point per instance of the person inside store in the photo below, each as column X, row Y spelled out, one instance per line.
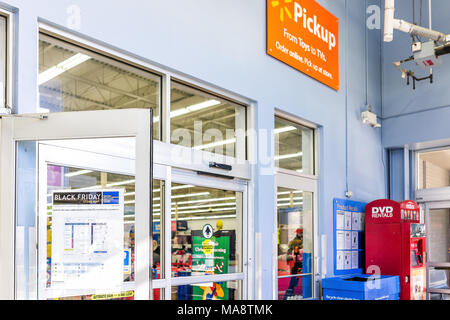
column 295, row 258
column 156, row 259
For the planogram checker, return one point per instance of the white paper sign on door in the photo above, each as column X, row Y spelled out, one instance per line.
column 87, row 239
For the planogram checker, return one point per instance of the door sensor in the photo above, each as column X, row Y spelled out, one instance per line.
column 220, row 166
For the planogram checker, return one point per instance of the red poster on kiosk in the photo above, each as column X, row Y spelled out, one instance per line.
column 395, row 245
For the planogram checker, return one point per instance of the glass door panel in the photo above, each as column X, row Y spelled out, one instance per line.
column 85, row 226
column 295, row 243
column 206, row 231
column 73, row 231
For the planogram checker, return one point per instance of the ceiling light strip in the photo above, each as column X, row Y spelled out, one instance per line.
column 62, row 67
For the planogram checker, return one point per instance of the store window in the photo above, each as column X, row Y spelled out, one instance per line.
column 206, row 122
column 72, row 78
column 433, row 169
column 206, row 231
column 295, row 211
column 294, row 146
column 295, row 238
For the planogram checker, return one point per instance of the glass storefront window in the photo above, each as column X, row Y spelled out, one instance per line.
column 227, row 290
column 434, row 169
column 205, row 122
column 295, row 233
column 206, row 231
column 75, row 79
column 294, row 147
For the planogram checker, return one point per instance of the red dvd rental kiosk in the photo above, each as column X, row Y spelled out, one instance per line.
column 395, row 243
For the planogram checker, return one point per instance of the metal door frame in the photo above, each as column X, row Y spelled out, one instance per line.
column 308, row 184
column 192, row 178
column 75, row 125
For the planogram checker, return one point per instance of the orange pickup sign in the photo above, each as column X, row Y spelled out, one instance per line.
column 304, row 35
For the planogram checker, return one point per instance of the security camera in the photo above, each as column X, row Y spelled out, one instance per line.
column 370, row 118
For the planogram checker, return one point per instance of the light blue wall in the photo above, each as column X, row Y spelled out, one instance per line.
column 223, row 42
column 421, row 115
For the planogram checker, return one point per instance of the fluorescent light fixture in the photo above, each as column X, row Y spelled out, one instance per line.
column 284, row 129
column 212, row 205
column 232, row 204
column 121, row 183
column 62, row 67
column 205, row 210
column 207, row 200
column 289, row 199
column 132, row 181
column 215, row 144
column 78, row 173
column 226, row 216
column 289, row 156
column 204, row 218
column 288, row 204
column 202, row 211
column 115, row 184
column 177, row 188
column 192, row 108
column 289, row 192
column 187, row 186
column 200, row 194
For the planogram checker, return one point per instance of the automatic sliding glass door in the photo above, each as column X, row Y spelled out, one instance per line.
column 208, row 238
